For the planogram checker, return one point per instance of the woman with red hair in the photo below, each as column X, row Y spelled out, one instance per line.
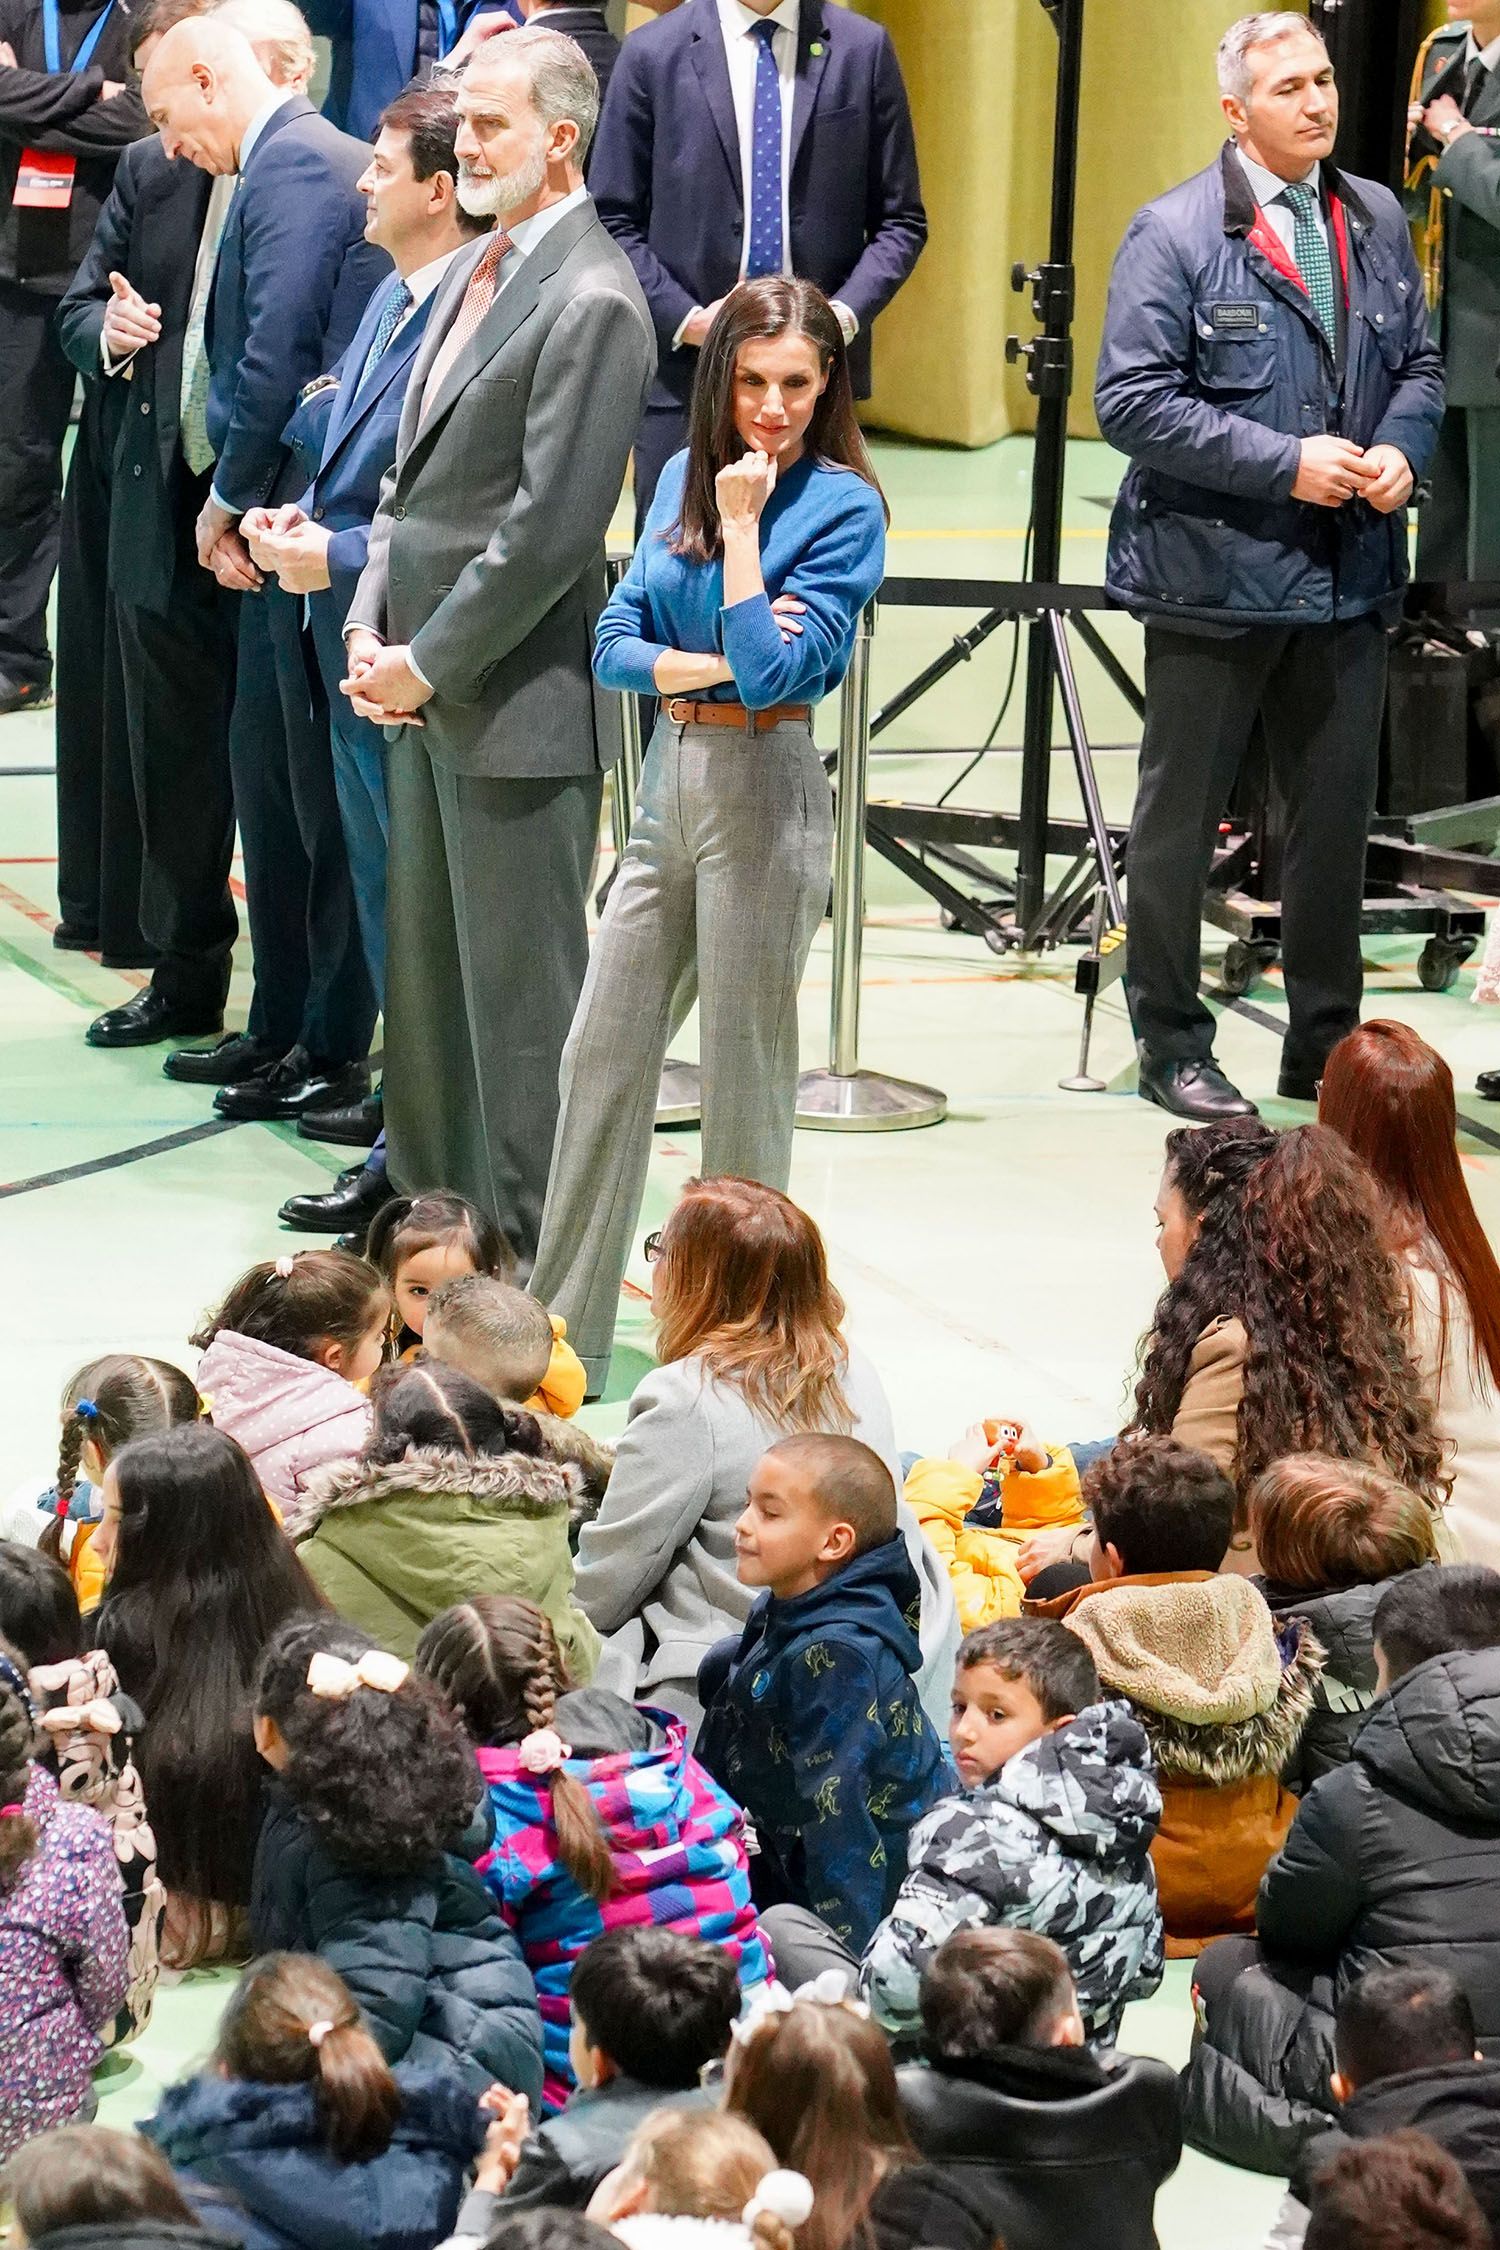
column 1390, row 1096
column 751, row 1349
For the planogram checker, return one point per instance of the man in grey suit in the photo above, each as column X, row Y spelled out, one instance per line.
column 472, row 631
column 1456, row 121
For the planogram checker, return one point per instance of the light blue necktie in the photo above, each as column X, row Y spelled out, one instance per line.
column 765, row 159
column 1310, row 250
column 393, row 312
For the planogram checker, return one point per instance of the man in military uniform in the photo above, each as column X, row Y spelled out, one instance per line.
column 1454, row 178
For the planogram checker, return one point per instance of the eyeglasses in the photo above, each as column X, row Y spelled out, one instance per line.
column 652, row 1248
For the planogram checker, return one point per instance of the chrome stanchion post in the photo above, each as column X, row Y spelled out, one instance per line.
column 844, row 1098
column 679, row 1098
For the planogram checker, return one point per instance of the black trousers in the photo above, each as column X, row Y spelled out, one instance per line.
column 312, row 987
column 1319, row 691
column 36, row 398
column 179, row 667
column 98, row 830
column 662, row 433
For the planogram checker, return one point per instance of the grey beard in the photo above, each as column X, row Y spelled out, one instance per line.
column 503, row 192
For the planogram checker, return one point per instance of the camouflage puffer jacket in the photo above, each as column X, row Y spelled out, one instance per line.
column 1058, row 1842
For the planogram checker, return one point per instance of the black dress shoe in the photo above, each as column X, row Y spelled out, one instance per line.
column 298, row 1081
column 234, row 1056
column 72, row 937
column 1198, row 1091
column 358, row 1126
column 1487, row 1085
column 148, row 1019
column 352, row 1202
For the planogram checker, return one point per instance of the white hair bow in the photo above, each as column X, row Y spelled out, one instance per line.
column 831, row 1988
column 332, row 1679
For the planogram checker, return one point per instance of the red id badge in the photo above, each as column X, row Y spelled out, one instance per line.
column 44, row 182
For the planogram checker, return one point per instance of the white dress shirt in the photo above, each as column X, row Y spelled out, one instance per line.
column 1489, row 55
column 1266, row 188
column 742, row 54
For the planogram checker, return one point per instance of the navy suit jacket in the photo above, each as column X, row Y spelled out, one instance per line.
column 374, row 56
column 344, row 445
column 665, row 173
column 294, row 275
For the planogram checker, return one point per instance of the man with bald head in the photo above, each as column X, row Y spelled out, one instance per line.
column 472, row 631
column 293, row 276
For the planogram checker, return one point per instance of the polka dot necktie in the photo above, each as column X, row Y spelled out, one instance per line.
column 765, row 159
column 1310, row 250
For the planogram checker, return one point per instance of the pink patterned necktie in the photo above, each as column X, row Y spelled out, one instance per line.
column 477, row 300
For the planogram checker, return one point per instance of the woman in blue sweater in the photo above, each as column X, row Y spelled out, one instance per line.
column 764, row 543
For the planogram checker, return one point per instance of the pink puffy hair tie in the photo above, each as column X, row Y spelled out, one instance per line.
column 12, row 1812
column 544, row 1751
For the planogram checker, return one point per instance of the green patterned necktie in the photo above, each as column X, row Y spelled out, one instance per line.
column 1310, row 250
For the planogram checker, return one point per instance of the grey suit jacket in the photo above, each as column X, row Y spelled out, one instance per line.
column 487, row 550
column 1469, row 171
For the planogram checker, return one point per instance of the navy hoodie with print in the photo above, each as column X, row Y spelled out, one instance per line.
column 814, row 1724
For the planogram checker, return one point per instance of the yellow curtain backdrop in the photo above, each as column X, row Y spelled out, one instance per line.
column 980, row 75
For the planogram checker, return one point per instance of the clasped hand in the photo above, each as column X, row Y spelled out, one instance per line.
column 381, row 684
column 1332, row 470
column 286, row 543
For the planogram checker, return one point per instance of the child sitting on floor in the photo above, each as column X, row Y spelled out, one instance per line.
column 507, row 1342
column 83, row 2187
column 1407, row 2055
column 651, row 2010
column 299, row 2136
column 1392, row 1860
column 453, row 1494
column 281, row 1359
column 1052, row 1832
column 105, row 1405
column 419, row 1242
column 601, row 1818
column 1060, row 2146
column 994, row 1490
column 687, row 2179
column 1220, row 1688
column 1400, row 2193
column 359, row 1857
column 64, row 1946
column 1330, row 1535
column 87, row 1730
column 812, row 1721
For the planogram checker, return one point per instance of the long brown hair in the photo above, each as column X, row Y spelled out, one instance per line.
column 769, row 306
column 1390, row 1096
column 743, row 1284
column 107, row 1403
column 291, row 2021
column 18, row 1739
column 819, row 2083
column 497, row 1661
column 1292, row 1243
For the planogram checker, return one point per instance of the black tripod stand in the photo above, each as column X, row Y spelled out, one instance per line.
column 1088, row 896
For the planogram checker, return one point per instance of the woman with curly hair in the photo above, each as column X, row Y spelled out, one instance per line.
column 1285, row 1325
column 361, row 1858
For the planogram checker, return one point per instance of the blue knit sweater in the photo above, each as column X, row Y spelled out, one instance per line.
column 822, row 538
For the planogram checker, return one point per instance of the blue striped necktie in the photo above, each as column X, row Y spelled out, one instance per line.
column 765, row 159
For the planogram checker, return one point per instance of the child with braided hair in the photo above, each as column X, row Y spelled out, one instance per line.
column 63, row 1940
column 601, row 1817
column 106, row 1404
column 298, row 2134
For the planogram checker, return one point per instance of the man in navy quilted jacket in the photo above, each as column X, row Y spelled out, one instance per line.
column 1266, row 365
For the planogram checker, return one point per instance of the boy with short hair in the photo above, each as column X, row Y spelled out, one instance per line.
column 813, row 1722
column 1052, row 1833
column 1053, row 2143
column 1407, row 2055
column 650, row 2008
column 507, row 1342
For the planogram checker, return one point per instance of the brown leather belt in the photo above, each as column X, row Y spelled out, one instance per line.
column 684, row 713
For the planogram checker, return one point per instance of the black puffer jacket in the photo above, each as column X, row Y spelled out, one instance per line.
column 1393, row 1860
column 1456, row 2104
column 1343, row 1623
column 436, row 1971
column 1054, row 2145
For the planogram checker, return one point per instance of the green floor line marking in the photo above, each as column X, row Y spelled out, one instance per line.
column 163, row 1145
column 52, row 978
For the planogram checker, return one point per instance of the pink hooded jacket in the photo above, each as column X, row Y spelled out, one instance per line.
column 290, row 1415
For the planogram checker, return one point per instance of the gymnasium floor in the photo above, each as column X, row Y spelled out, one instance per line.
column 1001, row 1262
